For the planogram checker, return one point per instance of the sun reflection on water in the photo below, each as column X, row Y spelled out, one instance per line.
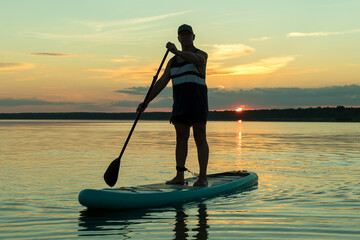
column 239, row 135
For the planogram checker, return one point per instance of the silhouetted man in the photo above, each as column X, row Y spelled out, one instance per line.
column 190, row 108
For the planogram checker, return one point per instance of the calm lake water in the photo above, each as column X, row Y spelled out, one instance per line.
column 309, row 175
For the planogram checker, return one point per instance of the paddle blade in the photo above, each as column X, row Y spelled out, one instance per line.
column 112, row 173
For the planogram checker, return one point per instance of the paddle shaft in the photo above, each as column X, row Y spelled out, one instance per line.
column 146, row 98
column 112, row 172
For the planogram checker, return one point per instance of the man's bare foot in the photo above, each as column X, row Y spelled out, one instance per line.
column 176, row 181
column 201, row 183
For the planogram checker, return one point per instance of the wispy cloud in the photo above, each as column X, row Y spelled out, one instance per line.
column 125, row 73
column 57, row 55
column 353, row 64
column 25, row 79
column 218, row 53
column 122, row 60
column 312, row 34
column 39, row 105
column 228, row 51
column 131, row 35
column 263, row 66
column 304, row 71
column 260, row 38
column 124, row 104
column 100, row 25
column 135, row 90
column 320, row 34
column 128, row 30
column 29, row 102
column 9, row 66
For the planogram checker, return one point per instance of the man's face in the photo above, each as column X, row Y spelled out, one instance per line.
column 186, row 38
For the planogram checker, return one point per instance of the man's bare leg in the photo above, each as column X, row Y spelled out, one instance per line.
column 199, row 129
column 182, row 137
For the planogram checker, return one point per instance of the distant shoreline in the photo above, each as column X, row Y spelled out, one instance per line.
column 318, row 114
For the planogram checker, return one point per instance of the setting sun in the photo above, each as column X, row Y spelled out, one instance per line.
column 239, row 109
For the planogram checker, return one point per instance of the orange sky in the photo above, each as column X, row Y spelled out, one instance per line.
column 76, row 56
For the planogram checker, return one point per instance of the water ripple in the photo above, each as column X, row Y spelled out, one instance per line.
column 308, row 180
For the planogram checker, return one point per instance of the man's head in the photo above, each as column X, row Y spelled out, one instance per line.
column 185, row 27
column 186, row 35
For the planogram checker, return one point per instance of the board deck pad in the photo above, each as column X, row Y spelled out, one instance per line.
column 213, row 180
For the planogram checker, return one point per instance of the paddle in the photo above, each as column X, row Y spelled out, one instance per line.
column 112, row 172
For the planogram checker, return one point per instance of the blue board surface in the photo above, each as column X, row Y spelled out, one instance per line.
column 156, row 195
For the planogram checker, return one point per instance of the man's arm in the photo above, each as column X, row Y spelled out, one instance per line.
column 158, row 87
column 199, row 58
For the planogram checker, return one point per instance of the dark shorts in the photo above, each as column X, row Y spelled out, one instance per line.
column 188, row 119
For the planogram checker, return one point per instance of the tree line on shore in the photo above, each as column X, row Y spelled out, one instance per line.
column 331, row 114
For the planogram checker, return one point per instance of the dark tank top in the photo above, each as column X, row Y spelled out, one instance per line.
column 189, row 89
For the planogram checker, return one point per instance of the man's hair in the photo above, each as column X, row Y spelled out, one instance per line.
column 185, row 27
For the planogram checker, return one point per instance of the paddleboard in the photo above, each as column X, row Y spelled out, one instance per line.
column 160, row 194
